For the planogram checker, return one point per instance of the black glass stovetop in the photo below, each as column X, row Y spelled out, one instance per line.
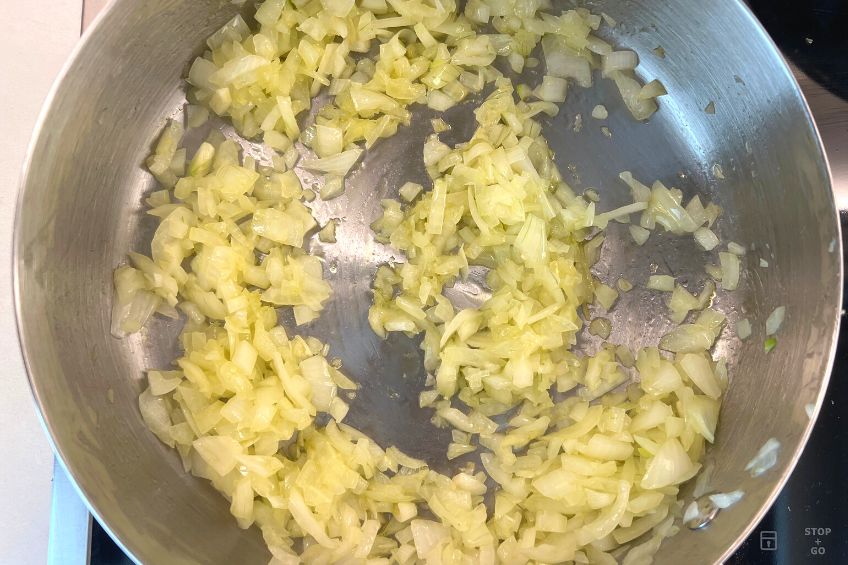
column 809, row 521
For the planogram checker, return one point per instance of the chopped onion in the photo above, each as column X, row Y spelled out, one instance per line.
column 714, row 271
column 338, row 164
column 410, row 190
column 196, row 116
column 729, row 270
column 328, row 232
column 232, row 246
column 810, row 409
column 775, row 320
column 552, row 89
column 693, row 338
column 735, row 248
column 328, row 141
column 600, row 327
column 743, row 328
column 639, row 234
column 692, row 512
column 599, row 112
column 601, row 220
column 706, row 238
column 629, row 87
column 697, row 367
column 726, row 500
column 561, row 64
column 620, row 61
column 605, row 295
column 653, row 89
column 765, row 458
column 333, row 187
column 664, row 283
column 669, row 466
column 702, row 482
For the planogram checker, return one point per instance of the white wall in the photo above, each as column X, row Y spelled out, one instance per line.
column 37, row 37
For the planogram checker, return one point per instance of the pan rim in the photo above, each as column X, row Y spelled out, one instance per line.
column 129, row 545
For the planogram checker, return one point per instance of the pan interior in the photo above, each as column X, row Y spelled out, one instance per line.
column 757, row 157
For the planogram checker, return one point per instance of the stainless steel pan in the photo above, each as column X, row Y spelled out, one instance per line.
column 80, row 211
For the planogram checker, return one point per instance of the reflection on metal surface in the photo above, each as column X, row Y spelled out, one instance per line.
column 90, row 9
column 70, row 523
column 831, row 114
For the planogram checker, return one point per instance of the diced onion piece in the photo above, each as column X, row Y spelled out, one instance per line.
column 697, row 368
column 775, row 320
column 765, row 459
column 620, row 61
column 328, row 141
column 630, row 88
column 410, row 190
column 605, row 296
column 693, row 338
column 601, row 220
column 730, row 267
column 669, row 466
column 681, row 302
column 599, row 112
column 163, row 382
column 552, row 89
column 339, row 164
column 810, row 410
column 639, row 191
column 564, row 65
column 426, row 535
column 691, row 513
column 196, row 116
column 439, row 101
column 639, row 234
column 726, row 499
column 714, row 271
column 664, row 283
column 609, row 19
column 439, row 125
column 706, row 238
column 154, row 412
column 703, row 481
column 600, row 327
column 653, row 89
column 328, row 232
column 221, row 453
column 333, row 187
column 735, row 248
column 743, row 328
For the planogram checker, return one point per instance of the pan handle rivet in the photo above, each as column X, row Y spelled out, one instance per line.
column 707, row 511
